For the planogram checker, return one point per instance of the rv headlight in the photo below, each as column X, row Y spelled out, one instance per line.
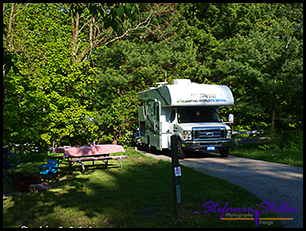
column 228, row 134
column 187, row 135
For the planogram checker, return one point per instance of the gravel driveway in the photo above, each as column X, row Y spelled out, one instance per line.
column 268, row 181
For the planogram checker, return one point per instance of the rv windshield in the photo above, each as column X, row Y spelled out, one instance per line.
column 197, row 114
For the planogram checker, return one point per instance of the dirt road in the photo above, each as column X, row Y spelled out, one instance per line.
column 268, row 181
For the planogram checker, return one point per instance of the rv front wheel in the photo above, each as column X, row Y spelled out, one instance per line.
column 224, row 153
column 181, row 153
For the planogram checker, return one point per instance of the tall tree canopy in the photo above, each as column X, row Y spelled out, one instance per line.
column 71, row 72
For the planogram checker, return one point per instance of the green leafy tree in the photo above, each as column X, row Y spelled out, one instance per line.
column 48, row 100
column 130, row 67
column 222, row 33
column 266, row 73
column 44, row 101
column 79, row 66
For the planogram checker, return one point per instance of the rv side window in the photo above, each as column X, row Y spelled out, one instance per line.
column 152, row 109
column 144, row 109
column 172, row 117
column 157, row 111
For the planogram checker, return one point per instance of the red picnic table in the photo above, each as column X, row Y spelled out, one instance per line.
column 89, row 153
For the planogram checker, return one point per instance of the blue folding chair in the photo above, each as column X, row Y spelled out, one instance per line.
column 51, row 171
column 7, row 166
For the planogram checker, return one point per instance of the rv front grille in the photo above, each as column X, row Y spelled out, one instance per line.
column 209, row 133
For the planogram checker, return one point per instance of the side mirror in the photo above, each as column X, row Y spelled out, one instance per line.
column 172, row 116
column 231, row 118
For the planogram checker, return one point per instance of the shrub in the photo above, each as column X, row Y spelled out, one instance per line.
column 291, row 140
column 288, row 140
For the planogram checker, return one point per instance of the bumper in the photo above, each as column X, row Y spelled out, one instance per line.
column 207, row 147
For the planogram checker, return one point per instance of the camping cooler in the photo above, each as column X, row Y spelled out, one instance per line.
column 22, row 181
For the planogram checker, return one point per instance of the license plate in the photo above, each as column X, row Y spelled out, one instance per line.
column 210, row 148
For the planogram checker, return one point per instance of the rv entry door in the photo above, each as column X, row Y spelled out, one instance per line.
column 156, row 137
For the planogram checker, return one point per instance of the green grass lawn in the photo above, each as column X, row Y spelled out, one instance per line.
column 252, row 151
column 138, row 196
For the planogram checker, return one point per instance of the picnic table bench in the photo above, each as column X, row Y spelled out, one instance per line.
column 90, row 153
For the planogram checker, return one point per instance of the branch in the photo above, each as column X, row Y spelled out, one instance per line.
column 20, row 10
column 95, row 44
column 84, row 24
column 288, row 42
column 76, row 50
column 88, row 49
column 4, row 11
column 131, row 29
column 27, row 29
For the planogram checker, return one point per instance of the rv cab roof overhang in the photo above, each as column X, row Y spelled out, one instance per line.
column 183, row 92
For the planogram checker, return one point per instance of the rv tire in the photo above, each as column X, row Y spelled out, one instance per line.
column 181, row 153
column 147, row 145
column 224, row 153
column 146, row 148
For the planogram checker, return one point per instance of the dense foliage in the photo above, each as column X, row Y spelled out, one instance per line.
column 71, row 72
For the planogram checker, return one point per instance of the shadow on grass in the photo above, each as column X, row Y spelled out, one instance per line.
column 189, row 154
column 138, row 196
column 102, row 196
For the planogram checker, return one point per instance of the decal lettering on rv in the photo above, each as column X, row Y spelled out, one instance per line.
column 204, row 95
column 218, row 100
column 200, row 100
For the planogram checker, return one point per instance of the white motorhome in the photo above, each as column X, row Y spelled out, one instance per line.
column 188, row 110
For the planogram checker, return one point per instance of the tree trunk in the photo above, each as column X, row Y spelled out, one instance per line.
column 8, row 41
column 10, row 23
column 75, row 33
column 92, row 21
